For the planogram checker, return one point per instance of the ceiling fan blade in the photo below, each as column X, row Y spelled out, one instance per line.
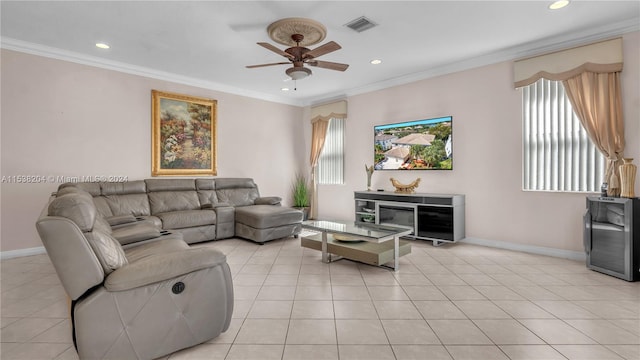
column 321, row 50
column 329, row 65
column 275, row 49
column 263, row 65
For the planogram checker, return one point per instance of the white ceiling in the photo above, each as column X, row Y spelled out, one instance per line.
column 208, row 43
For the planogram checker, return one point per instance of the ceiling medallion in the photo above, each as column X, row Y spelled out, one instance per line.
column 281, row 31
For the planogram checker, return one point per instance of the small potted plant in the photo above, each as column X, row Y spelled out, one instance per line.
column 368, row 218
column 301, row 195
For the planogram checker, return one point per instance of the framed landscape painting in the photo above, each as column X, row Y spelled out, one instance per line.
column 183, row 140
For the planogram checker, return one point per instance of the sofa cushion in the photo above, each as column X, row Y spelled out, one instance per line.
column 166, row 201
column 237, row 197
column 237, row 191
column 154, row 185
column 107, row 250
column 92, row 188
column 129, row 204
column 205, row 184
column 207, row 198
column 187, row 218
column 76, row 207
column 102, row 206
column 267, row 216
column 101, row 224
column 73, row 190
column 168, row 267
column 162, row 246
column 122, row 188
column 153, row 220
column 235, row 183
column 196, row 234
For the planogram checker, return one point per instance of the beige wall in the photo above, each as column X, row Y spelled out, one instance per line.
column 487, row 163
column 65, row 119
column 60, row 118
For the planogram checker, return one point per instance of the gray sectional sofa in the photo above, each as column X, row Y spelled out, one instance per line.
column 143, row 302
column 200, row 209
column 137, row 289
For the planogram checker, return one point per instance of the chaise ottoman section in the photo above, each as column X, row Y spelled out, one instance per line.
column 262, row 223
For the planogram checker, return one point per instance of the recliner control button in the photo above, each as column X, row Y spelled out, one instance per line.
column 178, row 287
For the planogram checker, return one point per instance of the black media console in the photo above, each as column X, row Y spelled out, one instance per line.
column 436, row 217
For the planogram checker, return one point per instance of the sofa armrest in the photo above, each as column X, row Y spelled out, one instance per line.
column 121, row 219
column 139, row 231
column 162, row 267
column 268, row 200
column 225, row 214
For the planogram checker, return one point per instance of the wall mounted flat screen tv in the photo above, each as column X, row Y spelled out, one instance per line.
column 414, row 145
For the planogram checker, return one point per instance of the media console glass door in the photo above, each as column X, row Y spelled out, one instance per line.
column 397, row 214
column 435, row 222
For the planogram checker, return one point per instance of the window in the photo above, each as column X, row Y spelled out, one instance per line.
column 331, row 161
column 557, row 153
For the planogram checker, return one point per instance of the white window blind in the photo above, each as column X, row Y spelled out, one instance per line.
column 331, row 161
column 557, row 153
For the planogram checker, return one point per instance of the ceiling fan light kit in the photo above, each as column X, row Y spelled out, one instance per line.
column 298, row 33
column 298, row 72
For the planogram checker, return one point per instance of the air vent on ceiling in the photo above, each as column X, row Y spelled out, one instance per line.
column 360, row 24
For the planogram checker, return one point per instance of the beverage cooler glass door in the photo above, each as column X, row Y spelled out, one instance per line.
column 607, row 241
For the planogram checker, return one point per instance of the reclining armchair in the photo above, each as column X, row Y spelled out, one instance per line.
column 140, row 303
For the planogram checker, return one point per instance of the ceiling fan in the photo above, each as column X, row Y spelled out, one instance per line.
column 299, row 55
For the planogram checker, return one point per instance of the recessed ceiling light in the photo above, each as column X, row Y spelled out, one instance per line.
column 285, row 89
column 558, row 4
column 376, row 61
column 102, row 45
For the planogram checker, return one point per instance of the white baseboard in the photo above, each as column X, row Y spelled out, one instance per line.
column 539, row 250
column 4, row 255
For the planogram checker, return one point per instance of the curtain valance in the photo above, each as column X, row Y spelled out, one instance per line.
column 601, row 57
column 336, row 109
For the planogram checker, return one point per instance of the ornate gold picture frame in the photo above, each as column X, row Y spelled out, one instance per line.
column 183, row 135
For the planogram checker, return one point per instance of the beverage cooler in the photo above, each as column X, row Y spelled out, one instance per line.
column 612, row 236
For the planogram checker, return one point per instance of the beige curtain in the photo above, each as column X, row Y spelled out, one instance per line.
column 320, row 117
column 591, row 78
column 318, row 134
column 596, row 99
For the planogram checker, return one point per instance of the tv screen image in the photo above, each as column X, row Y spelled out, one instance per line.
column 414, row 145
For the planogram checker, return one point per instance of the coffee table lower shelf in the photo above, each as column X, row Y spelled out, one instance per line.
column 370, row 253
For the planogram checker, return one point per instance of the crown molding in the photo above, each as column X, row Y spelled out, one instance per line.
column 534, row 48
column 59, row 54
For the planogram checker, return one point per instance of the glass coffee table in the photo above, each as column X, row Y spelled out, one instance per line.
column 352, row 240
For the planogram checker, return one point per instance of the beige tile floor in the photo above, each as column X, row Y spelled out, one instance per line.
column 457, row 301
